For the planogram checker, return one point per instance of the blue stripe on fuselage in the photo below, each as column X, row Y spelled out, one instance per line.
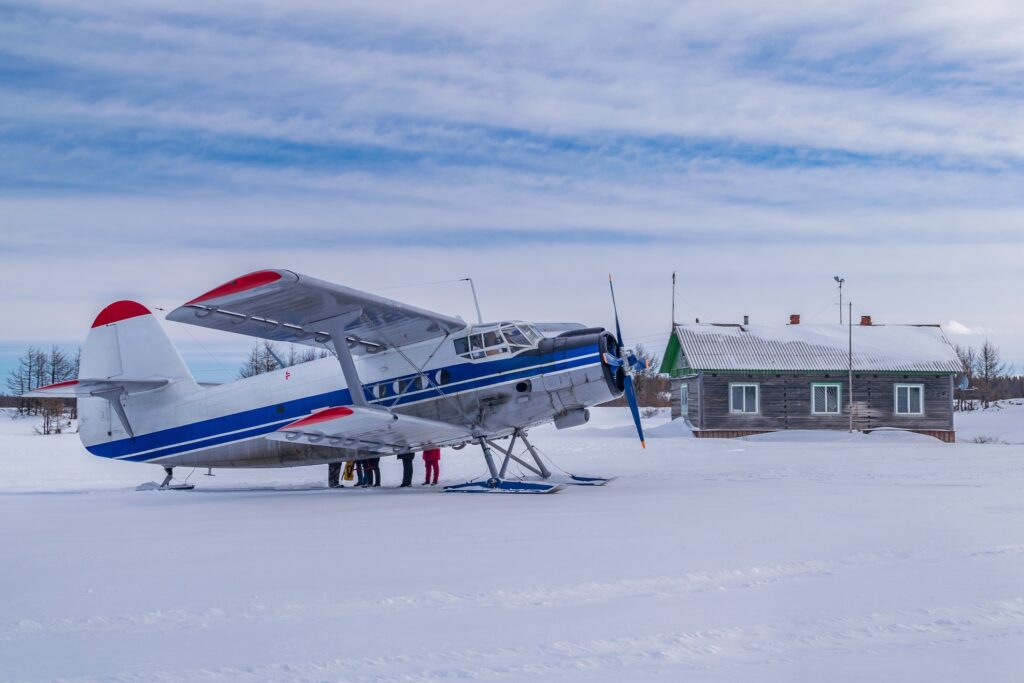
column 249, row 423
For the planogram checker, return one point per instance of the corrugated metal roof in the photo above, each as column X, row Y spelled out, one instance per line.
column 876, row 348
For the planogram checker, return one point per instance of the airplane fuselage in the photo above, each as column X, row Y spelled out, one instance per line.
column 225, row 425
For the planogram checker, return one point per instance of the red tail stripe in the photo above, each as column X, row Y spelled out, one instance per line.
column 322, row 416
column 118, row 311
column 240, row 284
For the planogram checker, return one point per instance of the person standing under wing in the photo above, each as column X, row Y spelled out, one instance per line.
column 406, row 459
column 373, row 471
column 334, row 475
column 432, row 460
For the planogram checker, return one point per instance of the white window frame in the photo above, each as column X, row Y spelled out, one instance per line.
column 684, row 400
column 839, row 398
column 896, row 399
column 757, row 398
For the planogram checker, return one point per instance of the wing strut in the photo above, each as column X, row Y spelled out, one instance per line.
column 336, row 328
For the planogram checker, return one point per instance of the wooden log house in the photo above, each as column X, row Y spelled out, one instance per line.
column 731, row 380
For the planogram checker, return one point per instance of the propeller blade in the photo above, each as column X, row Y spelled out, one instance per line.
column 615, row 307
column 635, row 409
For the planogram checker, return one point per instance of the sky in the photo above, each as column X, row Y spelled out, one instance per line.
column 155, row 150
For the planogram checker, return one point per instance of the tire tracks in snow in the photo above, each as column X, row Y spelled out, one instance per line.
column 664, row 587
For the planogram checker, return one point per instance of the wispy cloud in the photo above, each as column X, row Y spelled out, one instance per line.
column 960, row 329
column 866, row 135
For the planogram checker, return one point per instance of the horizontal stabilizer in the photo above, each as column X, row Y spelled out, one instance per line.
column 370, row 429
column 75, row 388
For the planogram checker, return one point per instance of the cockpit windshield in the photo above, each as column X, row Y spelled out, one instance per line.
column 508, row 338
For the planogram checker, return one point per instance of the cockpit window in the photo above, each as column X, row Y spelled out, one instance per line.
column 496, row 340
column 531, row 332
column 515, row 336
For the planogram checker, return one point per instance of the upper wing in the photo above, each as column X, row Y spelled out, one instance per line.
column 370, row 429
column 286, row 306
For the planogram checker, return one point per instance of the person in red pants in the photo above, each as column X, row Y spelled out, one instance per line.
column 432, row 460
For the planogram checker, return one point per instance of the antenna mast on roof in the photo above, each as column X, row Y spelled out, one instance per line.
column 850, row 359
column 840, row 280
column 673, row 299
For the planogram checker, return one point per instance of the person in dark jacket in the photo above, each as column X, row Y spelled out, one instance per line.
column 406, row 459
column 373, row 469
column 334, row 475
column 360, row 473
column 432, row 459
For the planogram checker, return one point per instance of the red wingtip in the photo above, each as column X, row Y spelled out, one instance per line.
column 118, row 311
column 319, row 416
column 239, row 284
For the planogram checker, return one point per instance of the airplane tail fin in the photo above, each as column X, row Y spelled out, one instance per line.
column 127, row 343
column 129, row 379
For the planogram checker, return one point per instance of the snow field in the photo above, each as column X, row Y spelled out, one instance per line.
column 820, row 557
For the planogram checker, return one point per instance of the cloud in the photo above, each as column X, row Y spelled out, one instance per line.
column 958, row 328
column 757, row 147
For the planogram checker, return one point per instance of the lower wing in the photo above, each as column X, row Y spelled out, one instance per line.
column 370, row 429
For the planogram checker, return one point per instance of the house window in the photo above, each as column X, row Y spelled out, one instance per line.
column 743, row 398
column 684, row 400
column 825, row 399
column 910, row 399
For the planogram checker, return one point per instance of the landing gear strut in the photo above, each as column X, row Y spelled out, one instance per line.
column 497, row 483
column 168, row 486
column 538, row 467
column 551, row 481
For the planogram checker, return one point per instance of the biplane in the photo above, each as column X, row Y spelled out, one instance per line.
column 397, row 379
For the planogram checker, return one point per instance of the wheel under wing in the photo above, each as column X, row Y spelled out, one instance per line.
column 370, row 429
column 288, row 307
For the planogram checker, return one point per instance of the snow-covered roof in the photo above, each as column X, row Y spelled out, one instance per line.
column 876, row 348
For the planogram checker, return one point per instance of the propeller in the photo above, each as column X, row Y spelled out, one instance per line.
column 629, row 363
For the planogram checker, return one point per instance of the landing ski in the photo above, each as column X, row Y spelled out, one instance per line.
column 577, row 480
column 503, row 486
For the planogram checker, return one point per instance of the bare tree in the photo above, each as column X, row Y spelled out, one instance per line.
column 76, row 366
column 28, row 375
column 261, row 359
column 989, row 368
column 305, row 354
column 968, row 360
column 55, row 416
column 37, row 368
column 59, row 366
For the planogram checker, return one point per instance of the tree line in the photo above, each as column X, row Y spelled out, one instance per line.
column 266, row 356
column 987, row 377
column 40, row 367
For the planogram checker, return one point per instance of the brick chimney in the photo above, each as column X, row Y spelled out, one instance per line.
column 865, row 320
column 794, row 319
